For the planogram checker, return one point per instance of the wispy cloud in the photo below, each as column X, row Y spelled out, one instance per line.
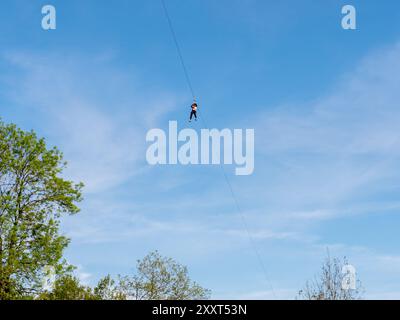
column 93, row 110
column 83, row 276
column 344, row 145
column 334, row 157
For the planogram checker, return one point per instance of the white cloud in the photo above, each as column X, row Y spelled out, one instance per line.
column 322, row 161
column 359, row 117
column 94, row 113
column 319, row 157
column 83, row 276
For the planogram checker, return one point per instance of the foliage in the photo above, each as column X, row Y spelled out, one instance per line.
column 107, row 289
column 33, row 196
column 157, row 278
column 161, row 278
column 329, row 284
column 67, row 287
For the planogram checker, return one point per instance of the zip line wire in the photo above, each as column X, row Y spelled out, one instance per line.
column 238, row 208
column 178, row 48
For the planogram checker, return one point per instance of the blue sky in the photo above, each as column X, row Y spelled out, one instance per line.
column 323, row 102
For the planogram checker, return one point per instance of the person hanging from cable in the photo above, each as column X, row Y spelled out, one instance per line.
column 193, row 112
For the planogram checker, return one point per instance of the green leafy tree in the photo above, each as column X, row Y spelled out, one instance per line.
column 161, row 278
column 33, row 196
column 67, row 287
column 108, row 289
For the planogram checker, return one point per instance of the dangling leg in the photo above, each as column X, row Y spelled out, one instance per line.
column 195, row 115
column 191, row 116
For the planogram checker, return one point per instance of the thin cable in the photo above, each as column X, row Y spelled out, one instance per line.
column 238, row 208
column 178, row 48
column 245, row 225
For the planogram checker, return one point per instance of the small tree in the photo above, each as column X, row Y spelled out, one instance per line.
column 331, row 283
column 33, row 195
column 67, row 287
column 108, row 289
column 157, row 278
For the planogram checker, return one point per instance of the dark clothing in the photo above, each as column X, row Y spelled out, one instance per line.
column 193, row 113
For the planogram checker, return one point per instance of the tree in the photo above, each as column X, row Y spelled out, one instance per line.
column 157, row 278
column 67, row 287
column 108, row 289
column 33, row 196
column 331, row 283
